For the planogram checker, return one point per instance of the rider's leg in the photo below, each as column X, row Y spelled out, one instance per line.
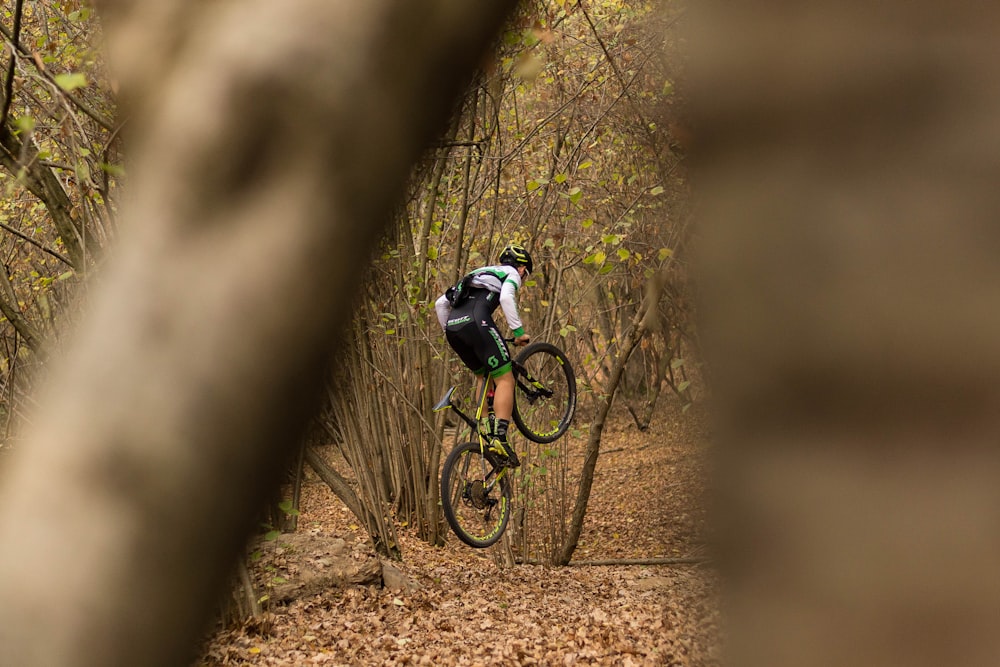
column 486, row 419
column 503, row 397
column 503, row 406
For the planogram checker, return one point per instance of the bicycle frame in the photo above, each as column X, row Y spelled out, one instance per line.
column 446, row 402
column 536, row 389
column 533, row 390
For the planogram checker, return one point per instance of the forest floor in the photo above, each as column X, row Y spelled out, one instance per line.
column 459, row 608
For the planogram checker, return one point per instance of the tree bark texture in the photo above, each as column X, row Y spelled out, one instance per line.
column 270, row 144
column 850, row 284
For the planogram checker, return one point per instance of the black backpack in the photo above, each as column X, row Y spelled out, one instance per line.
column 457, row 294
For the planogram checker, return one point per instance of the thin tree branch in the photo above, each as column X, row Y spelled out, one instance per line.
column 9, row 84
column 75, row 99
column 35, row 243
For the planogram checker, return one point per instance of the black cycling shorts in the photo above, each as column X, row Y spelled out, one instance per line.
column 473, row 335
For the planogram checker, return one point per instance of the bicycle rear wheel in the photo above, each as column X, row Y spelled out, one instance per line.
column 545, row 396
column 475, row 495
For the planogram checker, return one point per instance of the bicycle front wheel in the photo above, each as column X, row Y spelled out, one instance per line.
column 545, row 396
column 475, row 495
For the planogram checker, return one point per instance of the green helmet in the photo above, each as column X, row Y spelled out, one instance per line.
column 516, row 255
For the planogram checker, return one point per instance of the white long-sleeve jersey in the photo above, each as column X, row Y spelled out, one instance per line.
column 503, row 280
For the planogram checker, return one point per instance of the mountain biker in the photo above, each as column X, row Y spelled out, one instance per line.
column 470, row 330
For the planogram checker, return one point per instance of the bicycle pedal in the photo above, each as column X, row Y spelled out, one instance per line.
column 497, row 447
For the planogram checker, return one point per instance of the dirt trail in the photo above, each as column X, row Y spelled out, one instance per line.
column 646, row 503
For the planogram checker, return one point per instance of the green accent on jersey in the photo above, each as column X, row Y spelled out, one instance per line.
column 498, row 274
column 500, row 344
column 517, row 332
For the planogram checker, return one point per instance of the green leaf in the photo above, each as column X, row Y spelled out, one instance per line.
column 676, row 363
column 607, row 268
column 658, row 190
column 285, row 505
column 66, row 276
column 25, row 124
column 586, row 165
column 432, row 253
column 664, row 253
column 70, row 81
column 588, row 222
column 272, row 535
column 560, row 178
column 575, row 195
column 623, row 254
column 112, row 169
column 599, row 257
column 684, row 385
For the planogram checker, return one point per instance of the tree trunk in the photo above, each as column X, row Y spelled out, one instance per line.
column 850, row 285
column 181, row 395
column 41, row 182
column 640, row 325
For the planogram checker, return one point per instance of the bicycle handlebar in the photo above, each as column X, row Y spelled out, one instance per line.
column 512, row 340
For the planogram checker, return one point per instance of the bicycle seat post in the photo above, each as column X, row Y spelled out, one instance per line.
column 484, row 401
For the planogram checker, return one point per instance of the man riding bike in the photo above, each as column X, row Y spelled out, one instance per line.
column 465, row 313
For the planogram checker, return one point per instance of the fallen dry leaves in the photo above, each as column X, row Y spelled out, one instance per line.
column 464, row 610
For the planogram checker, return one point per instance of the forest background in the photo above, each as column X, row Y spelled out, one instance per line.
column 564, row 142
column 853, row 199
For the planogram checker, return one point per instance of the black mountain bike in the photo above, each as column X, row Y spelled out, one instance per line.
column 475, row 481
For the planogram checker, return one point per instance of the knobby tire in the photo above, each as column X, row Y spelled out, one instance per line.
column 542, row 418
column 477, row 517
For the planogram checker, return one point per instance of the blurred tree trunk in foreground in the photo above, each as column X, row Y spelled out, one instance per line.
column 851, row 277
column 271, row 142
